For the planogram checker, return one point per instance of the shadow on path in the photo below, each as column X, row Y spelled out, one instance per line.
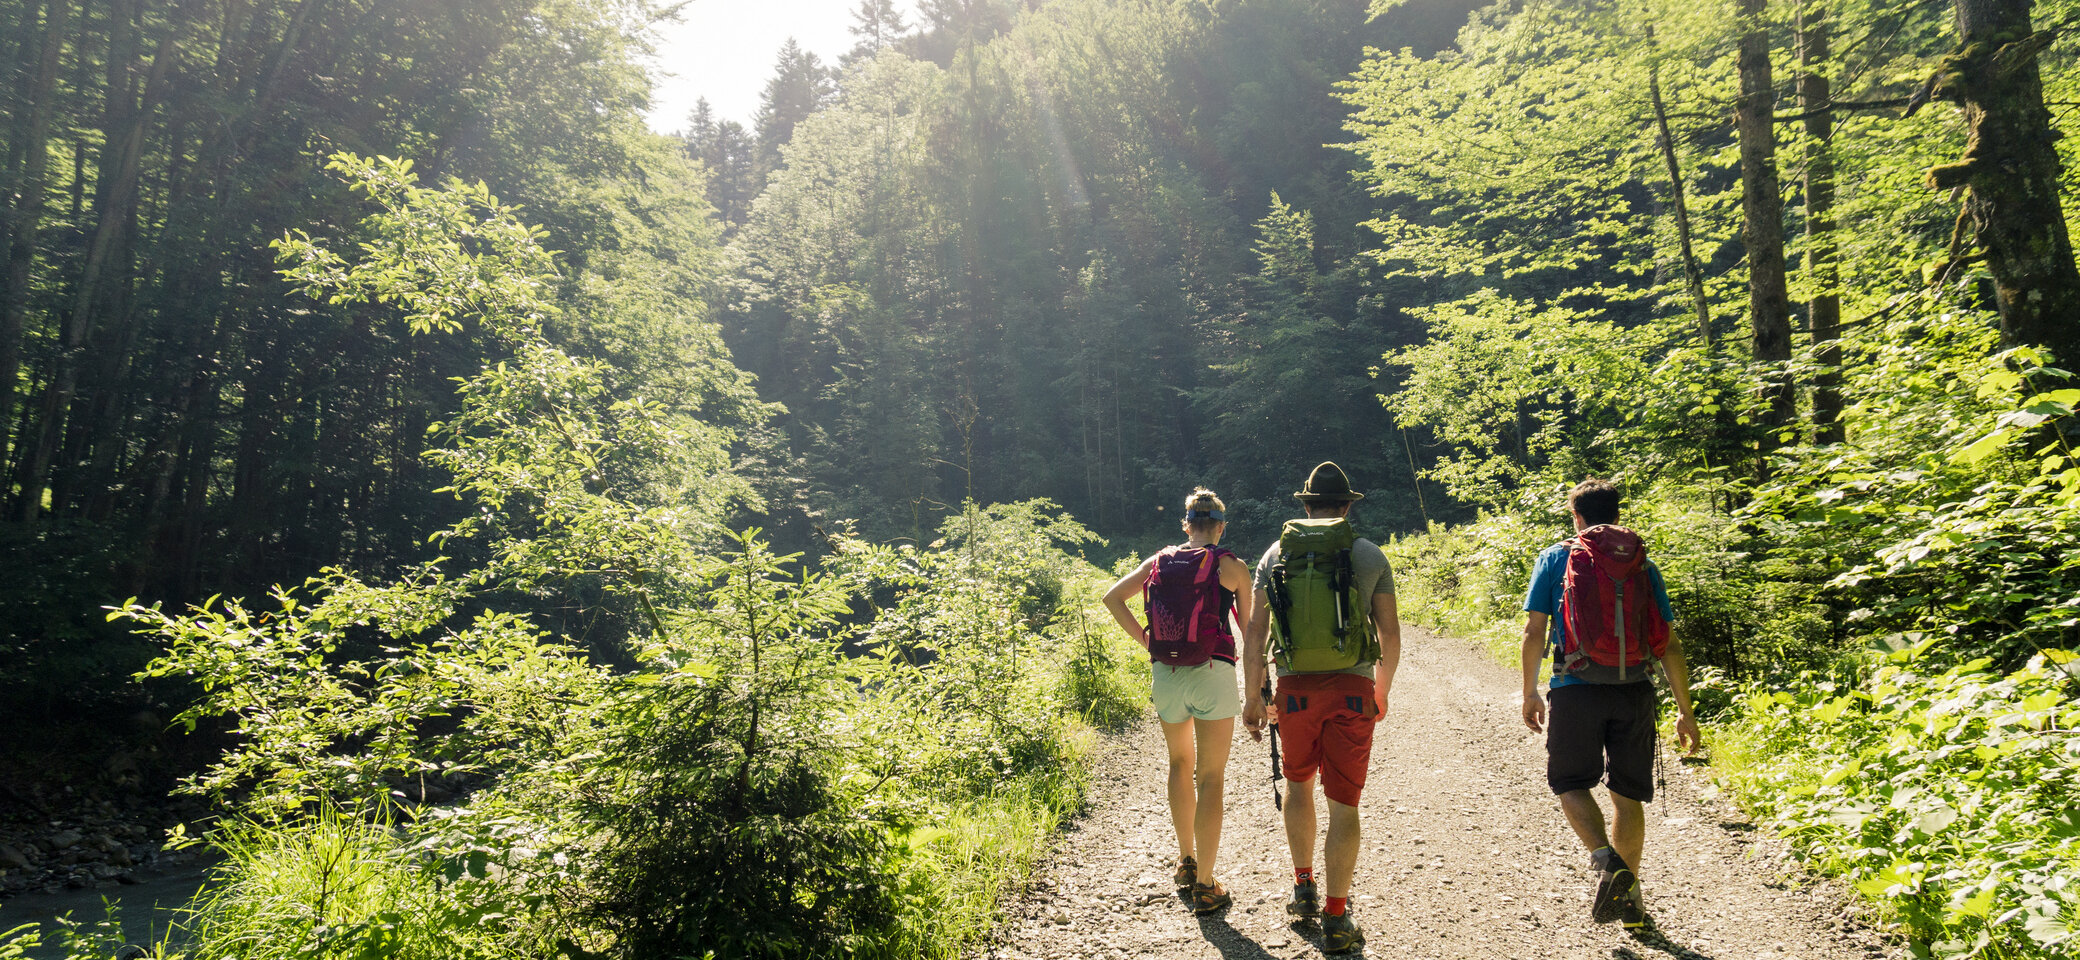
column 1657, row 941
column 1232, row 943
column 1236, row 945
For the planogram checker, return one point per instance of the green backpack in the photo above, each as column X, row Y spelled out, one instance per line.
column 1318, row 621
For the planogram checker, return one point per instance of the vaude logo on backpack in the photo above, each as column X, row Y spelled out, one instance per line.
column 1187, row 612
column 1318, row 621
column 1612, row 625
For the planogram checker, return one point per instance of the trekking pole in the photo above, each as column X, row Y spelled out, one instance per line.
column 1660, row 769
column 1278, row 801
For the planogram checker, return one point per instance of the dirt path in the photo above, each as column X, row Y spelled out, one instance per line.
column 1465, row 854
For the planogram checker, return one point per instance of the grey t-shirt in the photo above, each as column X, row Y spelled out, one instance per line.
column 1371, row 575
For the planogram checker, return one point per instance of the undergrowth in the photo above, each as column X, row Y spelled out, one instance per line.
column 1944, row 793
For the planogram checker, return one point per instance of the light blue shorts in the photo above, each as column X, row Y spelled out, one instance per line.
column 1205, row 692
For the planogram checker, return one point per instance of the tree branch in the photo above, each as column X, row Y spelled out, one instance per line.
column 1833, row 105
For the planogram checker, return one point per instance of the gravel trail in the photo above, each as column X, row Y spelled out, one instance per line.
column 1464, row 854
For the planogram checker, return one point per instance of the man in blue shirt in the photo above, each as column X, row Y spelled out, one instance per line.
column 1601, row 728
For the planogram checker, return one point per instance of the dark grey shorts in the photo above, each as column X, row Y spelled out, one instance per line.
column 1602, row 733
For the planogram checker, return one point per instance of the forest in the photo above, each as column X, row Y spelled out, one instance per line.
column 599, row 542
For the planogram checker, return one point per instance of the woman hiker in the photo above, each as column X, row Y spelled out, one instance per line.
column 1190, row 592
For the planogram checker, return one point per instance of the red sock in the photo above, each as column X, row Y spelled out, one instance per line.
column 1303, row 875
column 1336, row 906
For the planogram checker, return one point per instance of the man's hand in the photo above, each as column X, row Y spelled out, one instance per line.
column 1253, row 716
column 1535, row 711
column 1687, row 733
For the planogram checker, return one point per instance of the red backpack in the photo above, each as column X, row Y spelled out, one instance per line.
column 1187, row 611
column 1607, row 606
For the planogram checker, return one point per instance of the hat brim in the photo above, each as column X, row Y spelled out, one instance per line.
column 1305, row 497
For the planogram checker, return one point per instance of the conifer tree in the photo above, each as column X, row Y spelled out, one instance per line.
column 799, row 86
column 876, row 24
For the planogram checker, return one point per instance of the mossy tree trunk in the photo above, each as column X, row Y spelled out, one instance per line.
column 1824, row 312
column 1762, row 229
column 2012, row 172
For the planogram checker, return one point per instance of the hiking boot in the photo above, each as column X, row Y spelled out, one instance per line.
column 1340, row 934
column 1187, row 873
column 1210, row 899
column 1614, row 882
column 1306, row 902
column 1634, row 911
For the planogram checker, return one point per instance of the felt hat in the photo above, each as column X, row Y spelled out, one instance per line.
column 1327, row 484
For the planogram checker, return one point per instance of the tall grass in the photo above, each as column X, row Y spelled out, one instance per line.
column 339, row 886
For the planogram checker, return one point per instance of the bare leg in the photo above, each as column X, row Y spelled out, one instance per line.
column 1585, row 817
column 1216, row 738
column 1178, row 738
column 1300, row 830
column 1341, row 851
column 1629, row 834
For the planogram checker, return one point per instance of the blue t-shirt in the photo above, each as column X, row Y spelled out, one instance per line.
column 1549, row 584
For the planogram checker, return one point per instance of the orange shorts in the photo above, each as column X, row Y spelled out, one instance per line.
column 1325, row 721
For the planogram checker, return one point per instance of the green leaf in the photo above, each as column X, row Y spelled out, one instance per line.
column 1983, row 447
column 2046, row 929
column 924, row 837
column 1977, row 905
column 1998, row 383
column 1876, row 887
column 2041, row 701
column 1933, row 820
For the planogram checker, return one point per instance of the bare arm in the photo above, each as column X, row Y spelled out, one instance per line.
column 1235, row 579
column 1386, row 621
column 1116, row 601
column 1678, row 669
column 1535, row 627
column 1253, row 678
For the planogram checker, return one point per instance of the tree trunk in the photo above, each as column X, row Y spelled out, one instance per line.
column 1692, row 273
column 21, row 46
column 2013, row 173
column 116, row 212
column 1824, row 313
column 1762, row 229
column 28, row 218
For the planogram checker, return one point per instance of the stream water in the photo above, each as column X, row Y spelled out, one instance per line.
column 148, row 908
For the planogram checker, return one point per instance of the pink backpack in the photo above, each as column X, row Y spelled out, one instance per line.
column 1187, row 613
column 1613, row 626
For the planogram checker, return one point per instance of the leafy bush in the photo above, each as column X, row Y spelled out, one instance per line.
column 1104, row 679
column 1953, row 521
column 1945, row 794
column 717, row 815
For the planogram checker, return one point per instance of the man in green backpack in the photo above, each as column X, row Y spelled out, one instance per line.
column 1324, row 599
